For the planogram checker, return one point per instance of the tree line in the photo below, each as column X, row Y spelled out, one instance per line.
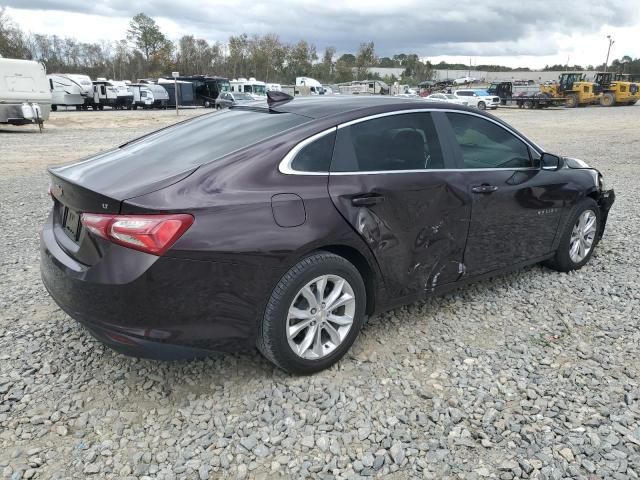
column 147, row 52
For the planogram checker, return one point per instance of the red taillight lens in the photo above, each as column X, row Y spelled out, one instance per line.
column 148, row 233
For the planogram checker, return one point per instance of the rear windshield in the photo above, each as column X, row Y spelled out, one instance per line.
column 209, row 137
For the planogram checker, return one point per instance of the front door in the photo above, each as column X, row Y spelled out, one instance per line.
column 388, row 180
column 516, row 204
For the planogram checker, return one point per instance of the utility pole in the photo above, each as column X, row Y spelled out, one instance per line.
column 611, row 42
column 175, row 76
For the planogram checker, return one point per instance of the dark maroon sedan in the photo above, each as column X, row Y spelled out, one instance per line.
column 284, row 226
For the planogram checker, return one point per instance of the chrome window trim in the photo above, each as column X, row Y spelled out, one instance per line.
column 285, row 164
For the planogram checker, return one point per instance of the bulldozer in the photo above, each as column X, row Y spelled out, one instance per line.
column 616, row 89
column 573, row 86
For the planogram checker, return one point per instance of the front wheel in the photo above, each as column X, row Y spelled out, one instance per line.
column 314, row 314
column 579, row 238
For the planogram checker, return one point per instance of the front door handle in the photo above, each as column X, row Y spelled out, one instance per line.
column 367, row 200
column 485, row 188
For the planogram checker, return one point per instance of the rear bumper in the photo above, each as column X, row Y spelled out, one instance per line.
column 157, row 307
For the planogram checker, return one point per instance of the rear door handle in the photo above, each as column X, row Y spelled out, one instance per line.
column 367, row 200
column 484, row 188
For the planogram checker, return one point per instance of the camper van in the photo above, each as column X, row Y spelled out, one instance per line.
column 25, row 96
column 315, row 87
column 252, row 86
column 149, row 95
column 65, row 92
column 111, row 93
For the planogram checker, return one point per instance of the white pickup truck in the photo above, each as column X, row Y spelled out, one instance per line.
column 478, row 98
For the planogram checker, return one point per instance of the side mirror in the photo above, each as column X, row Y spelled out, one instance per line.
column 550, row 161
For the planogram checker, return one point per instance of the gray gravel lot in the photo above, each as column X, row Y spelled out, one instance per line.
column 530, row 375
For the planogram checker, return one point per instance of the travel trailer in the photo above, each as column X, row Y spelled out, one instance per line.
column 65, row 92
column 252, row 86
column 149, row 95
column 315, row 87
column 274, row 87
column 86, row 85
column 186, row 92
column 366, row 87
column 111, row 93
column 25, row 96
column 206, row 88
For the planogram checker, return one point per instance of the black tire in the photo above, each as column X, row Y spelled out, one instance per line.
column 562, row 261
column 272, row 340
column 54, row 108
column 482, row 105
column 608, row 99
column 135, row 107
column 528, row 104
column 572, row 100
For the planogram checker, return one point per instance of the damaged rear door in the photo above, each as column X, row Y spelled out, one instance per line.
column 393, row 182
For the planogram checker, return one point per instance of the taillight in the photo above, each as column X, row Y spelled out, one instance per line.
column 148, row 233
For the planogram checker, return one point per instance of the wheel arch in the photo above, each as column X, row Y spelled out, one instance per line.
column 367, row 272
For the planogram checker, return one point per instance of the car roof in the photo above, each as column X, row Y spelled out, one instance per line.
column 325, row 106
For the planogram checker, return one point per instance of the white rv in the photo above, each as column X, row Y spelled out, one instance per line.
column 315, row 87
column 111, row 93
column 252, row 86
column 87, row 87
column 149, row 95
column 65, row 92
column 24, row 92
column 274, row 87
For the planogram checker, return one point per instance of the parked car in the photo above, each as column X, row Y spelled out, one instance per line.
column 227, row 99
column 478, row 98
column 447, row 97
column 297, row 220
column 464, row 80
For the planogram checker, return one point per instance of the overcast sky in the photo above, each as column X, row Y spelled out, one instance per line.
column 512, row 32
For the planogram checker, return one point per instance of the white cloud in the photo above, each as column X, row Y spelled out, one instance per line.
column 531, row 33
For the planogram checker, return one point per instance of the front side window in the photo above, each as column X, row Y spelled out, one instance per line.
column 484, row 144
column 394, row 142
column 465, row 94
column 316, row 156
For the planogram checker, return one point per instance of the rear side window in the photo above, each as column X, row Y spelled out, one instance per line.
column 315, row 157
column 465, row 94
column 394, row 142
column 484, row 144
column 209, row 137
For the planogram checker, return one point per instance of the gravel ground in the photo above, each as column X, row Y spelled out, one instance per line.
column 530, row 375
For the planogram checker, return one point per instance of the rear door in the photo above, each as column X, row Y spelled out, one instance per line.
column 389, row 180
column 516, row 204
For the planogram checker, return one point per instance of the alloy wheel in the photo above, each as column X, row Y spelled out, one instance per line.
column 320, row 317
column 582, row 236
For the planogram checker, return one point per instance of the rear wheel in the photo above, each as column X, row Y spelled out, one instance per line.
column 54, row 108
column 579, row 237
column 314, row 314
column 528, row 104
column 608, row 99
column 482, row 105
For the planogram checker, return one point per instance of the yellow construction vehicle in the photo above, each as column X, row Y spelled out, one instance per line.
column 616, row 89
column 574, row 88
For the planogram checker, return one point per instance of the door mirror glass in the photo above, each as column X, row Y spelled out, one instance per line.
column 551, row 161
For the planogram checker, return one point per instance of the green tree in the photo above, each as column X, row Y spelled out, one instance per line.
column 146, row 36
column 365, row 58
column 12, row 40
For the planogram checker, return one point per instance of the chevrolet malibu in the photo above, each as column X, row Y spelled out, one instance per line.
column 284, row 226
